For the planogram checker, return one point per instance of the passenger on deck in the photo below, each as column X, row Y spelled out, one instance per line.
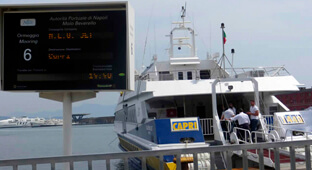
column 226, row 115
column 232, row 107
column 254, row 117
column 243, row 122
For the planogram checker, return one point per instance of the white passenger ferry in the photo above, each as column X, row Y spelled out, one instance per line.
column 177, row 104
column 21, row 122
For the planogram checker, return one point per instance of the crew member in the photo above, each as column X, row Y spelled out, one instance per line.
column 254, row 117
column 243, row 122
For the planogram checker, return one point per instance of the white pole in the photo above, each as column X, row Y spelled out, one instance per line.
column 67, row 125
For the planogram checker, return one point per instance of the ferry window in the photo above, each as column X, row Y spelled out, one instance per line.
column 152, row 115
column 180, row 75
column 165, row 75
column 272, row 109
column 119, row 116
column 204, row 74
column 189, row 75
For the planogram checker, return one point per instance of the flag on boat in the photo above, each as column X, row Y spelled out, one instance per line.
column 224, row 37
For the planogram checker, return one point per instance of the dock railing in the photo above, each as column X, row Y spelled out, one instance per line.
column 212, row 150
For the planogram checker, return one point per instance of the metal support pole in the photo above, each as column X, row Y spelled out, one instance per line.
column 218, row 134
column 67, row 125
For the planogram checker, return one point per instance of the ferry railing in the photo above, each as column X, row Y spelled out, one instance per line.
column 305, row 133
column 264, row 137
column 143, row 155
column 269, row 122
column 207, row 126
column 246, row 133
column 242, row 72
column 285, row 132
column 259, row 71
column 228, row 130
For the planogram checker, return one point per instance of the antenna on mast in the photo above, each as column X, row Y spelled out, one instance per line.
column 183, row 12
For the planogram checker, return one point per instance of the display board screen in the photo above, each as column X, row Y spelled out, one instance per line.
column 68, row 50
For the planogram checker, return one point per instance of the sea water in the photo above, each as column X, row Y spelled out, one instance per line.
column 18, row 143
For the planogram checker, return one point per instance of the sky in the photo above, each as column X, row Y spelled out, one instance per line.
column 262, row 32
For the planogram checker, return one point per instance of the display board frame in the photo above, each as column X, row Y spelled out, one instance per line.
column 76, row 7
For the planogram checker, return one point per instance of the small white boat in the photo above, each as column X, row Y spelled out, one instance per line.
column 9, row 123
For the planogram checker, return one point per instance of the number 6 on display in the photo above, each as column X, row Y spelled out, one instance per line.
column 27, row 55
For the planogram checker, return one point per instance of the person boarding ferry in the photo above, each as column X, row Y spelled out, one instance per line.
column 226, row 115
column 254, row 117
column 243, row 122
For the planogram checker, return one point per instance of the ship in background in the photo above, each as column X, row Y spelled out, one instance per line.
column 24, row 121
column 178, row 103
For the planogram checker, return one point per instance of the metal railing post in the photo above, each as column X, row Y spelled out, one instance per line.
column 228, row 160
column 261, row 160
column 212, row 161
column 308, row 157
column 178, row 162
column 89, row 164
column 161, row 162
column 277, row 158
column 53, row 166
column 195, row 160
column 292, row 158
column 71, row 165
column 245, row 160
column 34, row 167
column 144, row 163
column 107, row 164
column 126, row 163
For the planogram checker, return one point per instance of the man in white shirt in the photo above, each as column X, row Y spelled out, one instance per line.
column 243, row 119
column 254, row 117
column 226, row 115
column 243, row 122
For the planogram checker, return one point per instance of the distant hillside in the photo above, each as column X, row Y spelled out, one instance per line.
column 95, row 110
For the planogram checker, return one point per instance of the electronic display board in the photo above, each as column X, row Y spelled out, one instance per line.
column 66, row 50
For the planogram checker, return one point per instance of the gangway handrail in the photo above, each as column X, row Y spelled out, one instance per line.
column 246, row 131
column 290, row 130
column 229, row 126
column 263, row 133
